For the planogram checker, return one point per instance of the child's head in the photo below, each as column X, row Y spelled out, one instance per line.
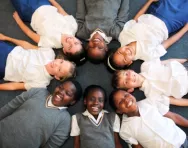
column 61, row 69
column 72, row 47
column 123, row 57
column 96, row 48
column 68, row 93
column 127, row 79
column 123, row 102
column 94, row 99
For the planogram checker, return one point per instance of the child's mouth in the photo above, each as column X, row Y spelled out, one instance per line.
column 95, row 109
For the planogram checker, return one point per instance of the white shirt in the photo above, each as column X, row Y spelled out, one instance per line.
column 75, row 130
column 148, row 32
column 27, row 65
column 169, row 79
column 50, row 25
column 152, row 129
column 49, row 104
column 106, row 38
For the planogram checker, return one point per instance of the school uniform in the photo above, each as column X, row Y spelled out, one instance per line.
column 152, row 29
column 151, row 129
column 95, row 133
column 47, row 22
column 28, row 66
column 170, row 79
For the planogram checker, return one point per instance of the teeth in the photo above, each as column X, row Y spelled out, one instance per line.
column 129, row 104
column 97, row 40
column 58, row 98
column 95, row 108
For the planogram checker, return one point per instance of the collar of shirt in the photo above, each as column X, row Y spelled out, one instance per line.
column 91, row 117
column 106, row 38
column 49, row 104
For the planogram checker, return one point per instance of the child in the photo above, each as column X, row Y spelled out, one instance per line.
column 54, row 27
column 28, row 66
column 157, row 77
column 100, row 21
column 95, row 127
column 37, row 118
column 146, row 123
column 145, row 37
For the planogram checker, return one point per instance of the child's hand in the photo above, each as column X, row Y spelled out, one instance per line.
column 186, row 26
column 16, row 16
column 2, row 37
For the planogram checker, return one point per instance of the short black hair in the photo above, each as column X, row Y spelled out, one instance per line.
column 90, row 88
column 78, row 93
column 111, row 98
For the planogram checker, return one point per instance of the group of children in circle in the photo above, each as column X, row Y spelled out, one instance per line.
column 145, row 38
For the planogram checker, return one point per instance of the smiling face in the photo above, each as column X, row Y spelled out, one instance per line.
column 94, row 102
column 129, row 79
column 71, row 44
column 125, row 103
column 60, row 68
column 123, row 56
column 97, row 46
column 64, row 94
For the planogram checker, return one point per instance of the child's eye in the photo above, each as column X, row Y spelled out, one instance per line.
column 69, row 94
column 101, row 100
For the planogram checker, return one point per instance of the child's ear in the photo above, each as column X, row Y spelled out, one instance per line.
column 56, row 77
column 130, row 90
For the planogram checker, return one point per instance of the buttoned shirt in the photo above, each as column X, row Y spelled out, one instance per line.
column 50, row 25
column 75, row 130
column 170, row 79
column 151, row 129
column 28, row 66
column 49, row 104
column 149, row 32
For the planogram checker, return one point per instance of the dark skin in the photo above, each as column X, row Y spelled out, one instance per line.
column 126, row 104
column 97, row 46
column 94, row 102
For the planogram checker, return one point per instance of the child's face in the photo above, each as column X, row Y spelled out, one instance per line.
column 97, row 46
column 64, row 94
column 71, row 44
column 125, row 102
column 123, row 56
column 128, row 79
column 60, row 68
column 94, row 102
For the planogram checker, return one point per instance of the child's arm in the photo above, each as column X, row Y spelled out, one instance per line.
column 179, row 60
column 167, row 43
column 31, row 34
column 12, row 86
column 77, row 142
column 144, row 9
column 178, row 119
column 117, row 141
column 59, row 8
column 24, row 44
column 179, row 101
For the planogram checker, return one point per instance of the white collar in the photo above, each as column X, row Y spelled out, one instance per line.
column 49, row 104
column 106, row 38
column 92, row 118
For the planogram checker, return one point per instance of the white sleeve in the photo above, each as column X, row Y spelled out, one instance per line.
column 126, row 134
column 151, row 51
column 161, row 102
column 116, row 127
column 52, row 41
column 75, row 130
